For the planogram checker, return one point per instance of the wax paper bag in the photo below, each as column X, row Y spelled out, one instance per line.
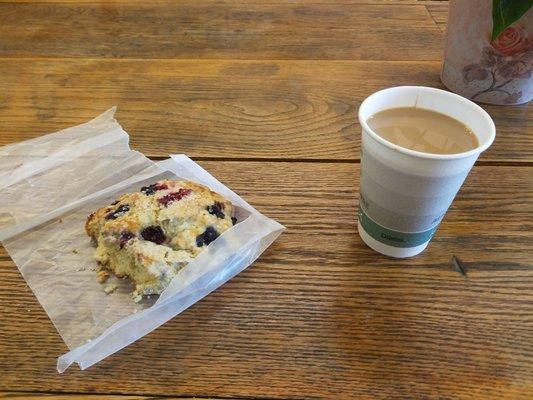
column 49, row 185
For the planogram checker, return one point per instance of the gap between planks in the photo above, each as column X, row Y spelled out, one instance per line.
column 25, row 394
column 250, row 2
column 489, row 163
column 205, row 60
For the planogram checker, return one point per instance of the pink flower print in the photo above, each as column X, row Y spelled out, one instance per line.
column 511, row 41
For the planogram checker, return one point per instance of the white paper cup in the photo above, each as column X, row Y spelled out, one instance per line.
column 404, row 193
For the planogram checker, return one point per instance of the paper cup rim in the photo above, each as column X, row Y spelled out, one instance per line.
column 479, row 149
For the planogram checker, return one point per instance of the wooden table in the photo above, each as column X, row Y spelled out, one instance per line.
column 264, row 94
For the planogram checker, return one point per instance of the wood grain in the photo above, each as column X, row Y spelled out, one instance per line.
column 320, row 315
column 191, row 29
column 224, row 109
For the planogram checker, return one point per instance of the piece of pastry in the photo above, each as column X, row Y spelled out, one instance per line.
column 150, row 235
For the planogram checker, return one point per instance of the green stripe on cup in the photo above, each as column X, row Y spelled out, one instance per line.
column 394, row 238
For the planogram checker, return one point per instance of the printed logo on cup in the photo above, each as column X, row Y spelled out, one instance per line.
column 390, row 237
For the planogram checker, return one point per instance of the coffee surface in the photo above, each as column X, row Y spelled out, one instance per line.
column 423, row 130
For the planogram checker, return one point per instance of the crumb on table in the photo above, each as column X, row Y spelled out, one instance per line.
column 102, row 276
column 110, row 288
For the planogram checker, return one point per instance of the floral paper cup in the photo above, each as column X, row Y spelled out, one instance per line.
column 496, row 72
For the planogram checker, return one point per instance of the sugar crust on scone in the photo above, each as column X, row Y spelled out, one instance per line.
column 150, row 235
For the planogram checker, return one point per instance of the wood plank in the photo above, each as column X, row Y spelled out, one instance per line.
column 191, row 29
column 321, row 315
column 224, row 109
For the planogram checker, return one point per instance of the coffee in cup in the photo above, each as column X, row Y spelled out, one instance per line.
column 423, row 130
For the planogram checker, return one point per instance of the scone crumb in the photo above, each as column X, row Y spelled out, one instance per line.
column 110, row 288
column 102, row 276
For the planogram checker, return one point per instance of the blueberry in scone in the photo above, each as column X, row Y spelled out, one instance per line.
column 150, row 235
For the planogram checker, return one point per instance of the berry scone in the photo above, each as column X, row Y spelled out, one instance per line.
column 150, row 235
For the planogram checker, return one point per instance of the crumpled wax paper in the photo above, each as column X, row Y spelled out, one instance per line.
column 49, row 185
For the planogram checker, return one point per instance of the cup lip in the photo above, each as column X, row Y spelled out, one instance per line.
column 433, row 156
